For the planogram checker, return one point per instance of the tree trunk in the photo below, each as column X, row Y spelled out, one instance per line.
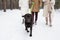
column 4, row 5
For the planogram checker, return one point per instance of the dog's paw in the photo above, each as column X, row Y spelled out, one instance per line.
column 30, row 35
column 27, row 31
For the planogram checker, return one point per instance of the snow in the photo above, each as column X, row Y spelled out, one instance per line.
column 11, row 27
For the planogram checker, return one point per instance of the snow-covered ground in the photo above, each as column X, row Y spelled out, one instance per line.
column 11, row 27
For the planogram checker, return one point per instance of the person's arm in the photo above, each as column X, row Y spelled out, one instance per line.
column 40, row 2
column 53, row 2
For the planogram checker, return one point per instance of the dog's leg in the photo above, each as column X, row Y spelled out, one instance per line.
column 30, row 31
column 26, row 28
column 23, row 21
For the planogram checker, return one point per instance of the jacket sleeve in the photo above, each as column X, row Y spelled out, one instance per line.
column 53, row 2
column 40, row 3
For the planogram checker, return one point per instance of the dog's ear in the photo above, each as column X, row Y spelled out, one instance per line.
column 23, row 16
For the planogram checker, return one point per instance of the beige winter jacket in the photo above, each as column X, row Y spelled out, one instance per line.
column 37, row 4
column 48, row 7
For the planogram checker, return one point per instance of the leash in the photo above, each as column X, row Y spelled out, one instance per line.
column 32, row 6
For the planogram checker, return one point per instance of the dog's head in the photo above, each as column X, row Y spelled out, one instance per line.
column 28, row 18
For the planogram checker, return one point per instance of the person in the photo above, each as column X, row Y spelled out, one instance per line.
column 35, row 9
column 24, row 8
column 48, row 10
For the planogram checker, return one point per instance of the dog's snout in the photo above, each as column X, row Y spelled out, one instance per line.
column 28, row 20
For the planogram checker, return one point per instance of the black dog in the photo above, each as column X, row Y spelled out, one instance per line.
column 28, row 22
